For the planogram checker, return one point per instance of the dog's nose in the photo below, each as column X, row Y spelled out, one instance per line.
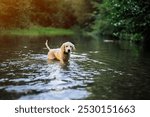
column 69, row 50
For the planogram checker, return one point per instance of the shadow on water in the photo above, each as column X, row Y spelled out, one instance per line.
column 97, row 70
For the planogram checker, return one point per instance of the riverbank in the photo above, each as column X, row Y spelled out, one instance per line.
column 38, row 31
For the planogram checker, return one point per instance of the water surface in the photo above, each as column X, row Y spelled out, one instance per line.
column 96, row 70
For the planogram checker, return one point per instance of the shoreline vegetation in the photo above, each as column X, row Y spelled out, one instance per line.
column 124, row 20
column 37, row 31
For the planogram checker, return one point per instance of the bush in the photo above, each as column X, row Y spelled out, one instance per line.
column 129, row 20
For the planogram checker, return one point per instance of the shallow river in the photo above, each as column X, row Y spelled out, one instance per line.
column 96, row 70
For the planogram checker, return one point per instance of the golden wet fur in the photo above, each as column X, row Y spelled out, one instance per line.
column 62, row 54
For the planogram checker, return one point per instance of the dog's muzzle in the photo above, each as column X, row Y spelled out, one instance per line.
column 69, row 51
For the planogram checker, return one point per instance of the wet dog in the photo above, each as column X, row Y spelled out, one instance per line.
column 62, row 54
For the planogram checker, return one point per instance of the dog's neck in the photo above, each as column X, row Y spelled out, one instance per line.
column 66, row 53
column 65, row 56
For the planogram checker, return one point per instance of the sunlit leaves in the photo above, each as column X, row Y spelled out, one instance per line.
column 128, row 19
column 53, row 13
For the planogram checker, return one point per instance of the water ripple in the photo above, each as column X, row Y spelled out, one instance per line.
column 36, row 78
column 34, row 75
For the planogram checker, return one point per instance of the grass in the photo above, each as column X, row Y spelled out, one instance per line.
column 38, row 31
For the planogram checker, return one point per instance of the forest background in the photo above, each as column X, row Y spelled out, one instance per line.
column 127, row 20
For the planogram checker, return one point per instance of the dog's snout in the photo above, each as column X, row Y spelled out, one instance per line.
column 69, row 50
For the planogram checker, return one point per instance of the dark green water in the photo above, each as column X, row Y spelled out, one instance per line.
column 97, row 70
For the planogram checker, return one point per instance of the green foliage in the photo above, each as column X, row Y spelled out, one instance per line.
column 126, row 19
column 102, row 23
column 46, row 13
column 38, row 31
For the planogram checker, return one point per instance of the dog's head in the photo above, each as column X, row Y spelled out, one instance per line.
column 67, row 47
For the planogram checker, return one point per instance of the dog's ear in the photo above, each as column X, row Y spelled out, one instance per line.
column 73, row 47
column 62, row 47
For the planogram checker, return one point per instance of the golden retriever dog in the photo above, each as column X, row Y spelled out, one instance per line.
column 62, row 54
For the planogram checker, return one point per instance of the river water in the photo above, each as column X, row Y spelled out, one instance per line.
column 97, row 70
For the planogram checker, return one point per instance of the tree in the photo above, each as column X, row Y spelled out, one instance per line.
column 53, row 13
column 124, row 19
